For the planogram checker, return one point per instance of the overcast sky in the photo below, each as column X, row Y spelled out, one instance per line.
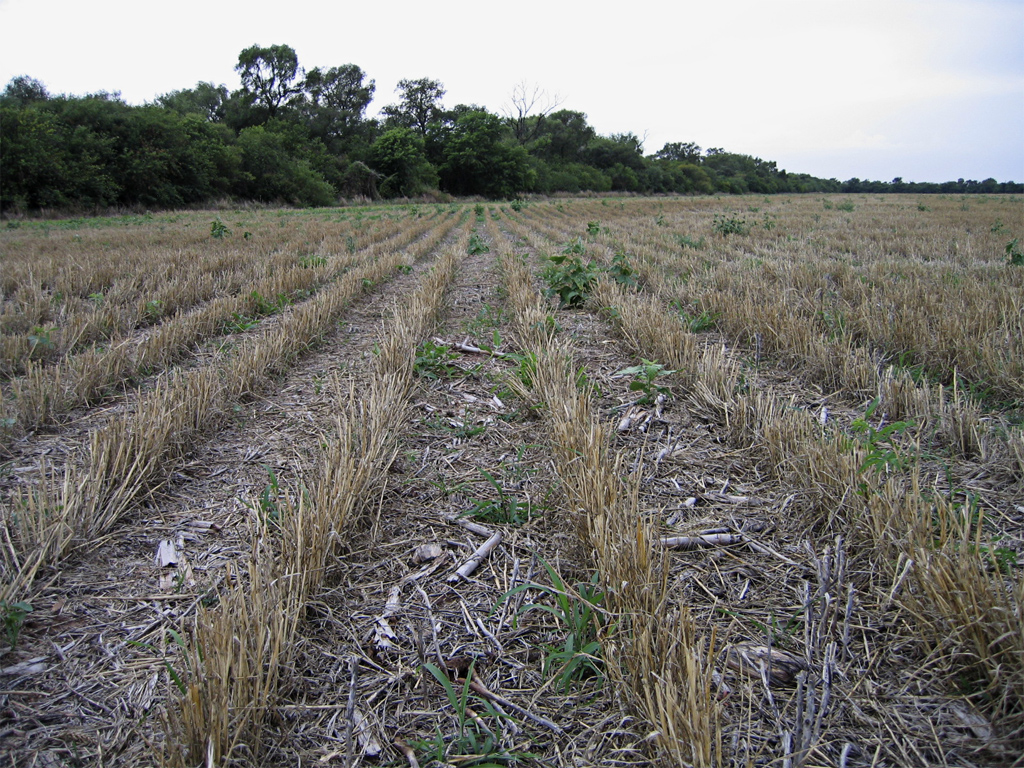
column 929, row 90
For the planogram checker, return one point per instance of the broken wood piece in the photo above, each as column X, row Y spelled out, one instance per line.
column 425, row 552
column 472, row 527
column 707, row 540
column 467, row 348
column 766, row 550
column 476, row 558
column 751, row 658
column 166, row 554
column 409, row 752
column 383, row 634
column 25, row 668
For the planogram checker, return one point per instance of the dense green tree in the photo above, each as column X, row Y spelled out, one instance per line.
column 23, row 90
column 335, row 102
column 420, row 105
column 399, row 155
column 269, row 75
column 206, row 99
column 273, row 174
column 478, row 161
column 563, row 137
column 609, row 152
column 684, row 153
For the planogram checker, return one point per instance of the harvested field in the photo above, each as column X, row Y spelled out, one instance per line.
column 620, row 481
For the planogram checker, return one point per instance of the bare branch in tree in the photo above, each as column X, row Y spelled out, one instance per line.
column 529, row 101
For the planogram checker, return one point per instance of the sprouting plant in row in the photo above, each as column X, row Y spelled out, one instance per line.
column 1014, row 255
column 268, row 505
column 621, row 271
column 593, row 228
column 474, row 744
column 14, row 618
column 477, row 245
column 434, row 361
column 695, row 319
column 507, row 509
column 569, row 278
column 883, row 453
column 645, row 378
column 219, row 230
column 730, row 225
column 577, row 656
column 40, row 339
column 685, row 241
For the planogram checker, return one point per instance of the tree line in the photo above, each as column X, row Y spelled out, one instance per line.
column 302, row 137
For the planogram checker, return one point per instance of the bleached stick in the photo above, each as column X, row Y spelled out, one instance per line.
column 476, row 558
column 708, row 540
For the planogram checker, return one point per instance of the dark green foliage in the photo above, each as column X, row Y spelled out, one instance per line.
column 1014, row 255
column 419, row 107
column 334, row 102
column 569, row 278
column 478, row 161
column 269, row 75
column 399, row 156
column 273, row 174
column 201, row 144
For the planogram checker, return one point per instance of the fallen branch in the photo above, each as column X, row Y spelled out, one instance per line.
column 469, row 349
column 476, row 558
column 707, row 540
column 409, row 752
column 486, row 693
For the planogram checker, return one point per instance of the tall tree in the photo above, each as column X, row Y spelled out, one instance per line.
column 399, row 155
column 676, row 150
column 336, row 100
column 205, row 99
column 24, row 90
column 420, row 104
column 269, row 75
column 530, row 105
column 564, row 136
column 478, row 161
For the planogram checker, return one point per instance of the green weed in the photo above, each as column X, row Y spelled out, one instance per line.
column 506, row 510
column 568, row 277
column 14, row 619
column 579, row 611
column 477, row 245
column 474, row 745
column 1014, row 255
column 730, row 225
column 218, row 230
column 645, row 380
column 434, row 361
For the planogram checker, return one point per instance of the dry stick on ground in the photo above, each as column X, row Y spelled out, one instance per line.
column 466, row 569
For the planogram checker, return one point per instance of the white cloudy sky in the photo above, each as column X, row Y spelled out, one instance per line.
column 928, row 90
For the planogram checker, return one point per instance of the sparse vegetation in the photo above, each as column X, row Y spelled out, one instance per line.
column 744, row 496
